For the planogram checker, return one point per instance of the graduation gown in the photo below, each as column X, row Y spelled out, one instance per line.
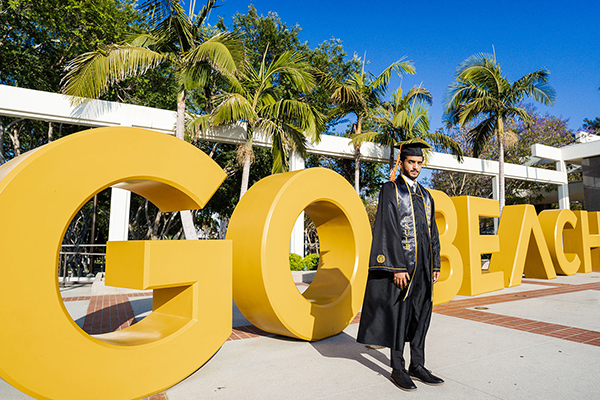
column 405, row 239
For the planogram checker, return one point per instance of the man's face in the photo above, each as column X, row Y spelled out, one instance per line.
column 411, row 166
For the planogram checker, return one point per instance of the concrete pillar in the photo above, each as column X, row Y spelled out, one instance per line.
column 297, row 238
column 118, row 226
column 563, row 190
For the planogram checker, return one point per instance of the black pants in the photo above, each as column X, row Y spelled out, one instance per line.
column 417, row 357
column 419, row 317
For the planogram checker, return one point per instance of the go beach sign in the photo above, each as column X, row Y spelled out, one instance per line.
column 194, row 282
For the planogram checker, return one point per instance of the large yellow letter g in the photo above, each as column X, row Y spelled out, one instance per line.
column 40, row 192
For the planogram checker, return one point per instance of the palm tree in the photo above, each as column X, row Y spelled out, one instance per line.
column 405, row 119
column 174, row 38
column 361, row 94
column 482, row 95
column 257, row 101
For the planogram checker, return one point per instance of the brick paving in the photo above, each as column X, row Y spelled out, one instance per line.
column 108, row 313
column 113, row 312
column 464, row 309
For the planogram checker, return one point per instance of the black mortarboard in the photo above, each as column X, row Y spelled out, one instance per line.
column 413, row 149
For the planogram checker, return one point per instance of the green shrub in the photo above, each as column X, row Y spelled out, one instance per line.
column 296, row 262
column 311, row 261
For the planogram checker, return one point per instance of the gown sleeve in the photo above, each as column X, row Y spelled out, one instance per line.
column 386, row 249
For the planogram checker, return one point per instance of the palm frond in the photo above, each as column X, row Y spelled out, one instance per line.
column 481, row 134
column 401, row 67
column 298, row 114
column 346, row 94
column 233, row 108
column 372, row 137
column 200, row 18
column 293, row 66
column 170, row 23
column 324, row 79
column 91, row 74
column 198, row 125
column 224, row 52
column 447, row 143
column 534, row 85
column 420, row 94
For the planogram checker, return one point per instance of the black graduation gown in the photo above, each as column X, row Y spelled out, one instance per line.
column 390, row 316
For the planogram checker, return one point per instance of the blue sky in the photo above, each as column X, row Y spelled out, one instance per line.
column 563, row 37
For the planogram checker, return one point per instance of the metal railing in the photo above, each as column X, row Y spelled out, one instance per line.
column 76, row 261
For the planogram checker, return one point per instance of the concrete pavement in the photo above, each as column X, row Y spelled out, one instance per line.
column 540, row 340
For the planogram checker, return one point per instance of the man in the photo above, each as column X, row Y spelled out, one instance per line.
column 404, row 265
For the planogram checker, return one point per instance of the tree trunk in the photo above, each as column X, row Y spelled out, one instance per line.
column 14, row 137
column 186, row 216
column 180, row 127
column 501, row 184
column 501, row 196
column 357, row 169
column 245, row 174
column 2, row 159
column 357, row 131
column 50, row 132
column 189, row 229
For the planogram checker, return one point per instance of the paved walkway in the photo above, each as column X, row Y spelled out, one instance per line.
column 539, row 340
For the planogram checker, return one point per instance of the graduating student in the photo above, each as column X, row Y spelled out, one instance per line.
column 404, row 266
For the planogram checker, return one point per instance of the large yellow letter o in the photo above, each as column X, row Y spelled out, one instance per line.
column 260, row 228
column 40, row 192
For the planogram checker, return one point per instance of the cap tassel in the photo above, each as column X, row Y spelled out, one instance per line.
column 393, row 173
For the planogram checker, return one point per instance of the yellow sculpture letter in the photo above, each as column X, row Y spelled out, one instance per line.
column 452, row 269
column 584, row 240
column 554, row 224
column 522, row 246
column 40, row 192
column 260, row 228
column 471, row 245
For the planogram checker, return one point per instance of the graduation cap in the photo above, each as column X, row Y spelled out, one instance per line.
column 414, row 149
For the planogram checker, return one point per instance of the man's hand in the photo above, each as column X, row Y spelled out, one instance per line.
column 401, row 279
column 436, row 276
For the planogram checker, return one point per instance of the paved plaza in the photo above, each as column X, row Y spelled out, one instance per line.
column 540, row 340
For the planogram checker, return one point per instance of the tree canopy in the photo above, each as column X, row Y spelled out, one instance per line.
column 542, row 128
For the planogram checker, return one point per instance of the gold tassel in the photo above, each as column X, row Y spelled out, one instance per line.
column 393, row 173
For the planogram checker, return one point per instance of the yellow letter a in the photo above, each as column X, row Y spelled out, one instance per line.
column 522, row 246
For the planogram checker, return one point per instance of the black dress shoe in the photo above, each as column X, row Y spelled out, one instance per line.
column 402, row 380
column 424, row 375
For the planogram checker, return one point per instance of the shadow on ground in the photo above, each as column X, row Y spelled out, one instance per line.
column 345, row 346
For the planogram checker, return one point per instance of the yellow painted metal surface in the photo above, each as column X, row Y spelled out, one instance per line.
column 555, row 224
column 584, row 240
column 522, row 246
column 260, row 229
column 471, row 245
column 40, row 192
column 452, row 269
